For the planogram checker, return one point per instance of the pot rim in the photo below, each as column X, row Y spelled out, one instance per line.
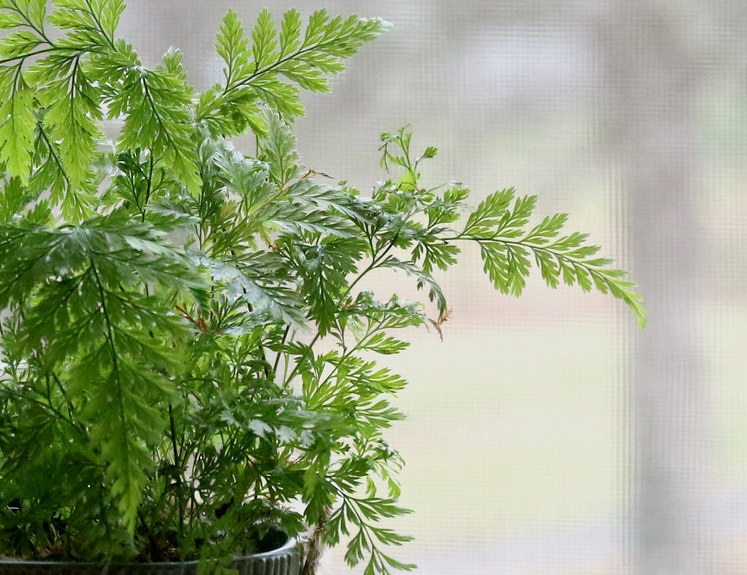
column 284, row 549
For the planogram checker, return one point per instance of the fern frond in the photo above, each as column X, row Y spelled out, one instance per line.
column 155, row 105
column 253, row 70
column 499, row 226
column 79, row 292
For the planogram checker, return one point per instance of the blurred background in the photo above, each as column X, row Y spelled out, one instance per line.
column 549, row 434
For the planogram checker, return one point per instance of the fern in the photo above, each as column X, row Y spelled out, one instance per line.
column 189, row 344
column 17, row 131
column 155, row 105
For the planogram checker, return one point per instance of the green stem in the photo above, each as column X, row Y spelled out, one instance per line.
column 64, row 395
column 280, row 353
column 149, row 179
column 96, row 19
column 278, row 63
column 23, row 57
column 32, row 24
column 372, row 266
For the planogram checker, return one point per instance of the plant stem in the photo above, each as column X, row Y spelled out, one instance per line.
column 315, row 544
column 372, row 266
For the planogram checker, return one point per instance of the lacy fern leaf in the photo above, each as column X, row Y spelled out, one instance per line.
column 254, row 68
column 107, row 334
column 498, row 226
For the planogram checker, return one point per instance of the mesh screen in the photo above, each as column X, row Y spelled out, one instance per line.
column 548, row 435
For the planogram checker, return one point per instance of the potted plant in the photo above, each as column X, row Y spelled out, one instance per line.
column 190, row 354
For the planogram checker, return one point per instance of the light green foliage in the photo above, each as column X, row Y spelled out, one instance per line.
column 189, row 349
column 500, row 225
column 254, row 75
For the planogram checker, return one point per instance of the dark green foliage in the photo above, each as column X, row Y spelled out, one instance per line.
column 164, row 391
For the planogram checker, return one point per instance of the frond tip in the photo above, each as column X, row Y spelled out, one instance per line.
column 499, row 226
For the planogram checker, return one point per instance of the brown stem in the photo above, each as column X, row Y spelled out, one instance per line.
column 315, row 545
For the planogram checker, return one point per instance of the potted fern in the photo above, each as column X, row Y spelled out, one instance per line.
column 189, row 346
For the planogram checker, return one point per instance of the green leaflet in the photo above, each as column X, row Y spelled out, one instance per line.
column 233, row 46
column 72, row 114
column 155, row 106
column 424, row 279
column 278, row 149
column 17, row 130
column 95, row 20
column 324, row 269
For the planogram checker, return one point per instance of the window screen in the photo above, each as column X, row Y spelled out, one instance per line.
column 549, row 435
